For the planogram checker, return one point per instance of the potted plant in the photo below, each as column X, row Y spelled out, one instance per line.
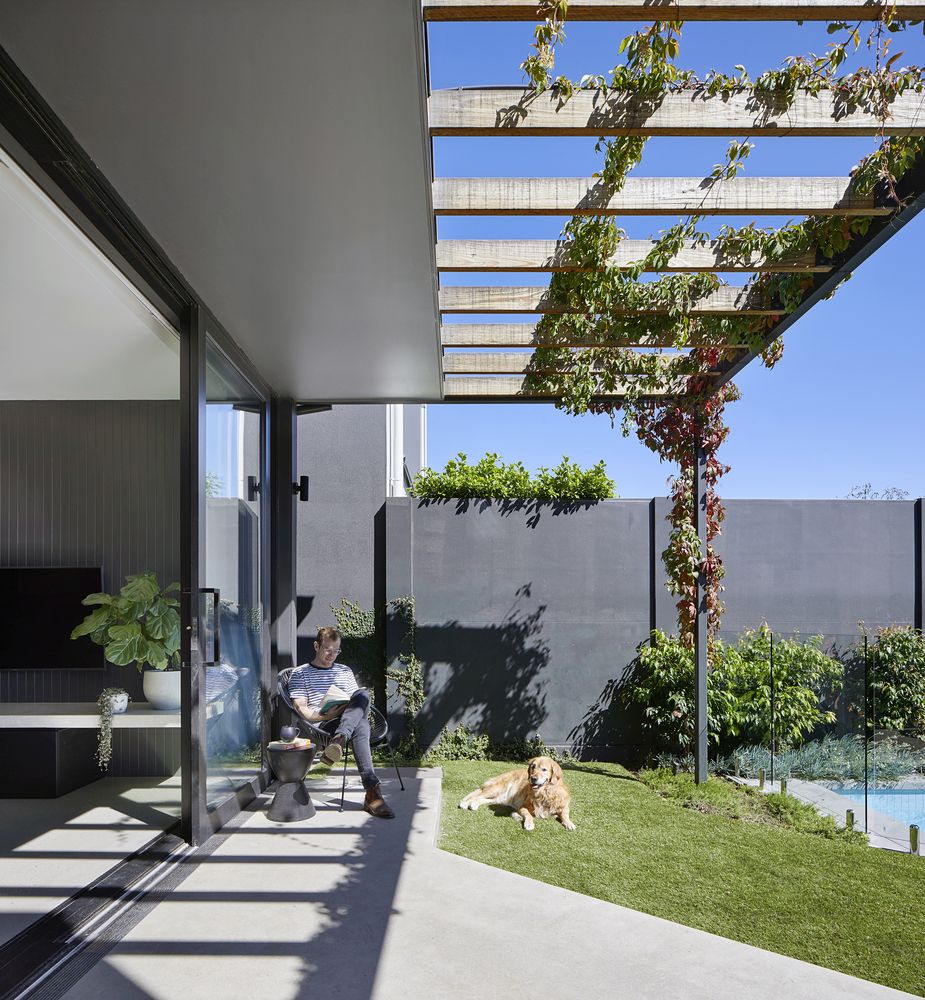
column 112, row 701
column 140, row 625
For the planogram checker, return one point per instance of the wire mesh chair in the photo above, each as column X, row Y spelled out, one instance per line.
column 378, row 730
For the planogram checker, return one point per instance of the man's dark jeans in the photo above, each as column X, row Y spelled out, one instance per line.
column 353, row 725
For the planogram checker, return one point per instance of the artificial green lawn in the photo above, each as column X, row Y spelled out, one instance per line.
column 681, row 855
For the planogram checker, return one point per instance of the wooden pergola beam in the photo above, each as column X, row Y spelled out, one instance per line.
column 911, row 191
column 674, row 10
column 550, row 255
column 519, row 111
column 651, row 196
column 727, row 300
column 456, row 335
column 510, row 388
column 511, row 363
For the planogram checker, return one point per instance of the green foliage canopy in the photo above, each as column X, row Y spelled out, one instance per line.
column 490, row 478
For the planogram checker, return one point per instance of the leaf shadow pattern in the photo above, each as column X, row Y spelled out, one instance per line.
column 534, row 509
column 501, row 693
column 612, row 719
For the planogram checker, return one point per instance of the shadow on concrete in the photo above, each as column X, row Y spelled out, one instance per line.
column 331, row 947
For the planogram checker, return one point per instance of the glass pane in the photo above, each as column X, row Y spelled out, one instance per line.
column 232, row 605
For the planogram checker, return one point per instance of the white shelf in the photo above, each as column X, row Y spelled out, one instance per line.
column 81, row 715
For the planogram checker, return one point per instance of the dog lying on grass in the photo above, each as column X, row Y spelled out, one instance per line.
column 536, row 791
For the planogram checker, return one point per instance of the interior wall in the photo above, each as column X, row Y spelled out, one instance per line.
column 88, row 483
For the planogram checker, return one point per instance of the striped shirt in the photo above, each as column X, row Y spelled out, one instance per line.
column 311, row 682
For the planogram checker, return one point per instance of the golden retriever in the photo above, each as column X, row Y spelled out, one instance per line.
column 537, row 791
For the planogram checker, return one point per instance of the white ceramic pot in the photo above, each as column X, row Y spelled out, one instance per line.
column 119, row 702
column 162, row 689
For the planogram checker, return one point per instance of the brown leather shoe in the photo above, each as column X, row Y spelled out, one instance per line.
column 376, row 805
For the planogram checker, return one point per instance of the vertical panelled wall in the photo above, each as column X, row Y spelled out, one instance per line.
column 88, row 483
column 528, row 616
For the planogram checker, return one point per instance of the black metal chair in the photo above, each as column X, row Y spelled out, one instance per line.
column 378, row 730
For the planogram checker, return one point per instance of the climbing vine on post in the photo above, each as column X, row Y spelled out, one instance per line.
column 407, row 672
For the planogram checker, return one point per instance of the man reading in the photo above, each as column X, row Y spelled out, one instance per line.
column 308, row 686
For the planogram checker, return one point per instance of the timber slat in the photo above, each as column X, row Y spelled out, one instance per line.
column 728, row 300
column 516, row 111
column 650, row 196
column 676, row 10
column 506, row 387
column 510, row 363
column 549, row 255
column 524, row 335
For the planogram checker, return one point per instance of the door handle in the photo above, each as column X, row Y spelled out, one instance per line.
column 216, row 626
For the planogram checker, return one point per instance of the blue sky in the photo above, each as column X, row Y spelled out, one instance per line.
column 846, row 404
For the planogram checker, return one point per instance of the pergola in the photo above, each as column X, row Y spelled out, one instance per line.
column 473, row 374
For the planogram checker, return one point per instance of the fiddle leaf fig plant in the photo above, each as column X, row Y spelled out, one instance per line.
column 140, row 624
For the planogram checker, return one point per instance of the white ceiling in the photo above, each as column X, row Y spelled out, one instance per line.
column 277, row 150
column 71, row 327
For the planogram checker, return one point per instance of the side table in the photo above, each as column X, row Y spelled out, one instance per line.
column 291, row 801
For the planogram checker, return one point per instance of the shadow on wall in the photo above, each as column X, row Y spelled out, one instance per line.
column 487, row 677
column 532, row 508
column 611, row 727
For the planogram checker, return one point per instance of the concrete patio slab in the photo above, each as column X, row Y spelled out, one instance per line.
column 52, row 848
column 353, row 908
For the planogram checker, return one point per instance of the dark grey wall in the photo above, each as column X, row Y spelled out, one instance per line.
column 819, row 565
column 340, row 529
column 88, row 484
column 528, row 614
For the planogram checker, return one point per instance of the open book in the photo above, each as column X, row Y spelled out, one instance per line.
column 333, row 697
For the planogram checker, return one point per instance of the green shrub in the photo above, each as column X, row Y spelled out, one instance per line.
column 462, row 744
column 491, row 479
column 738, row 689
column 897, row 661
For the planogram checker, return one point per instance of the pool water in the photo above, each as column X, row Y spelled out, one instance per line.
column 904, row 804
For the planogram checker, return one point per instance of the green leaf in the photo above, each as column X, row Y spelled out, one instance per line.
column 127, row 645
column 141, row 589
column 161, row 620
column 92, row 623
column 91, row 599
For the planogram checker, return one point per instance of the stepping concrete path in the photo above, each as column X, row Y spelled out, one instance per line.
column 348, row 907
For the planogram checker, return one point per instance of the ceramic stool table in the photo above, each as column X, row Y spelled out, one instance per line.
column 291, row 801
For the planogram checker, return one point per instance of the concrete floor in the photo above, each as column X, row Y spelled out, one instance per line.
column 50, row 848
column 348, row 907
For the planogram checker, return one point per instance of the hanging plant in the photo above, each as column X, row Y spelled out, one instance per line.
column 104, row 741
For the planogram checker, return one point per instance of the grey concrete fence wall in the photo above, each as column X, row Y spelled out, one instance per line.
column 529, row 614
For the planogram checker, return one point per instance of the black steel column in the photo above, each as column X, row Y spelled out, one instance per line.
column 283, row 458
column 919, row 537
column 700, row 621
column 194, row 814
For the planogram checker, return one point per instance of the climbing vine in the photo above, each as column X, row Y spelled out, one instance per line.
column 408, row 674
column 605, row 309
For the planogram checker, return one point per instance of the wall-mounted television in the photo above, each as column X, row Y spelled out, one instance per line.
column 40, row 607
